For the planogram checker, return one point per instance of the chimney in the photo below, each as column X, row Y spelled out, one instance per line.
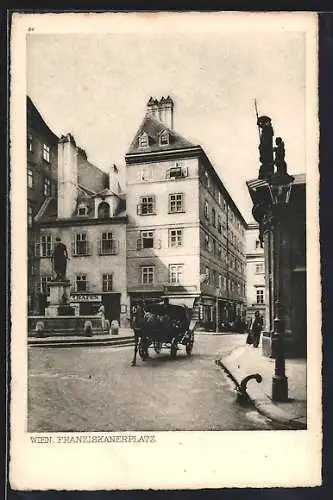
column 114, row 179
column 67, row 176
column 161, row 110
column 168, row 112
column 152, row 108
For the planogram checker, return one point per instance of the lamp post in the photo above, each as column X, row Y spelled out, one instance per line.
column 270, row 195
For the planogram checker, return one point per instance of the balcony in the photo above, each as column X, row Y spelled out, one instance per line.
column 80, row 287
column 148, row 243
column 108, row 247
column 176, row 173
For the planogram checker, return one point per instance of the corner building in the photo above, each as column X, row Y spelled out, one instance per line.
column 42, row 165
column 185, row 235
column 89, row 215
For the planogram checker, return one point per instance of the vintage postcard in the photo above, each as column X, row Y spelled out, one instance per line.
column 165, row 251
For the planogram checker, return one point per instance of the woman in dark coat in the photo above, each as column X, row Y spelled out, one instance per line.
column 256, row 328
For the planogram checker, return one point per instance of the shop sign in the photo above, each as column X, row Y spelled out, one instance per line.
column 86, row 298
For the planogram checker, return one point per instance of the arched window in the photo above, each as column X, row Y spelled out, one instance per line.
column 103, row 210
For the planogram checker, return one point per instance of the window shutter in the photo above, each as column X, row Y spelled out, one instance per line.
column 158, row 244
column 184, row 171
column 73, row 247
column 139, row 209
column 37, row 249
column 139, row 244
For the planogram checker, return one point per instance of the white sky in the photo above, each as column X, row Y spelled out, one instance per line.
column 96, row 86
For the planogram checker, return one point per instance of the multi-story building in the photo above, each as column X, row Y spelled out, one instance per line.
column 255, row 272
column 285, row 267
column 185, row 235
column 89, row 215
column 42, row 164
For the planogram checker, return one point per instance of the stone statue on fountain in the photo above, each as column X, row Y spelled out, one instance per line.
column 59, row 259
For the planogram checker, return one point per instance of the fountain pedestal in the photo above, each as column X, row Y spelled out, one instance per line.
column 59, row 294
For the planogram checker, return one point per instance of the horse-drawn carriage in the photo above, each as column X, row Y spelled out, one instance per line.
column 162, row 325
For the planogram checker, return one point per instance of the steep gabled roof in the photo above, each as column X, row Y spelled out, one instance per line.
column 153, row 128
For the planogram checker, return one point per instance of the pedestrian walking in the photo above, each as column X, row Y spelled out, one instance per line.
column 256, row 328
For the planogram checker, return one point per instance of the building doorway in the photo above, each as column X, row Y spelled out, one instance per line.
column 111, row 303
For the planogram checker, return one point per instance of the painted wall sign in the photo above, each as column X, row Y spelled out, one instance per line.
column 86, row 298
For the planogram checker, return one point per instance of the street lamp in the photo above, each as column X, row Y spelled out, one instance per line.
column 270, row 196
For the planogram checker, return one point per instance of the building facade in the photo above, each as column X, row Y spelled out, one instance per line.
column 293, row 275
column 89, row 216
column 42, row 165
column 185, row 235
column 255, row 273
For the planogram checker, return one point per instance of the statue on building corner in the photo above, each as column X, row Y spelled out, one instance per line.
column 279, row 160
column 266, row 133
column 59, row 259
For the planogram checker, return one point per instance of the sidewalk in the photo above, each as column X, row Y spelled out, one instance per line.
column 246, row 360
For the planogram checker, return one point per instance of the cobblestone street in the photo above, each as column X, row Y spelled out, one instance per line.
column 96, row 389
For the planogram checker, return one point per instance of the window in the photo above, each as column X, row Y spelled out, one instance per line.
column 46, row 152
column 206, row 179
column 175, row 237
column 147, row 239
column 176, row 273
column 219, row 224
column 103, row 210
column 108, row 244
column 147, row 205
column 213, row 217
column 143, row 140
column 46, row 245
column 47, row 187
column 107, row 282
column 164, row 138
column 30, row 178
column 147, row 275
column 81, row 282
column 206, row 242
column 44, row 284
column 29, row 215
column 260, row 296
column 206, row 209
column 82, row 210
column 81, row 244
column 146, row 173
column 257, row 244
column 30, row 142
column 214, row 247
column 219, row 251
column 259, row 268
column 176, row 203
column 207, row 273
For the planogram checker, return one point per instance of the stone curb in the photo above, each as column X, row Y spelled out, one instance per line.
column 267, row 408
column 84, row 342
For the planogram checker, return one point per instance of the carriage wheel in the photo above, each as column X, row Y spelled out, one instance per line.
column 157, row 346
column 173, row 351
column 143, row 350
column 189, row 345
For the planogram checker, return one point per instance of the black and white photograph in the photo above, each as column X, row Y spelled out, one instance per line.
column 165, row 249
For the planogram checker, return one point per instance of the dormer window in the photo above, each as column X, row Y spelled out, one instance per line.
column 103, row 210
column 143, row 140
column 82, row 210
column 164, row 138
